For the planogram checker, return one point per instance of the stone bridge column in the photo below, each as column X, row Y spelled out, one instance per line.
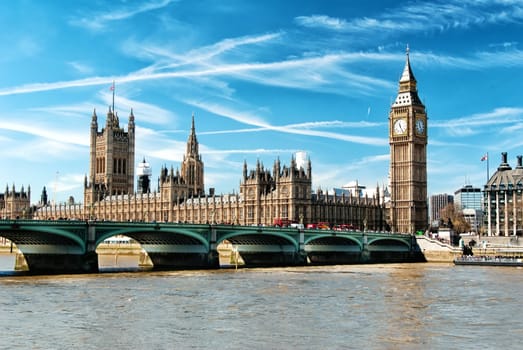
column 365, row 253
column 214, row 257
column 91, row 237
column 302, row 254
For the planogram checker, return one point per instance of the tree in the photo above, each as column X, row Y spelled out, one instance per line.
column 451, row 216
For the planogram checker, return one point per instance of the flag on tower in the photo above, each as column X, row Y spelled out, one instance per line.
column 485, row 157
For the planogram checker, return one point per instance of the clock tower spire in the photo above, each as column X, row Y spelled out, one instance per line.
column 408, row 157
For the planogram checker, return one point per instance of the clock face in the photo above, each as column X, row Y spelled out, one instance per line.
column 400, row 126
column 420, row 126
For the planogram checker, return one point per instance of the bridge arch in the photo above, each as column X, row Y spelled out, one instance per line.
column 328, row 248
column 152, row 235
column 267, row 237
column 330, row 239
column 164, row 245
column 259, row 246
column 391, row 243
column 37, row 236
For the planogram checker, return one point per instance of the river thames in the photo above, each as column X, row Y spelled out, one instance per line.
column 393, row 306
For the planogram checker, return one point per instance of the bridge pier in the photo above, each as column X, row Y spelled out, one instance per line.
column 365, row 252
column 334, row 258
column 62, row 263
column 263, row 259
column 168, row 261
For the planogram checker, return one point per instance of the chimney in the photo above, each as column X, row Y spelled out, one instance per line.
column 504, row 165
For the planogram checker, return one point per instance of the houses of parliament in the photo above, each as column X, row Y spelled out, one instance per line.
column 281, row 192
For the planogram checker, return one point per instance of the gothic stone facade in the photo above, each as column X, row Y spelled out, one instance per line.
column 15, row 205
column 284, row 193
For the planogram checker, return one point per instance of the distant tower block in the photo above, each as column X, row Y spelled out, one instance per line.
column 144, row 172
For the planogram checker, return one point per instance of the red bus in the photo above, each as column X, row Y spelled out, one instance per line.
column 282, row 222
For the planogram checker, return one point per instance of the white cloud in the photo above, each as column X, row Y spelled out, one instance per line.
column 143, row 112
column 500, row 115
column 99, row 20
column 54, row 135
column 247, row 118
column 321, row 21
column 81, row 68
column 423, row 16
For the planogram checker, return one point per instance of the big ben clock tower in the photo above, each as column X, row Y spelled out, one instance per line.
column 408, row 157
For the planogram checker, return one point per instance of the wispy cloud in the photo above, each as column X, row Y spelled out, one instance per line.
column 145, row 112
column 252, row 151
column 306, row 125
column 475, row 123
column 474, row 61
column 254, row 120
column 81, row 68
column 423, row 16
column 41, row 130
column 65, row 183
column 99, row 20
column 327, row 73
column 358, row 168
column 40, row 149
column 322, row 21
column 72, row 110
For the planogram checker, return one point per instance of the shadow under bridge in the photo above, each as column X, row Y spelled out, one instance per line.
column 168, row 246
column 57, row 246
column 264, row 246
column 329, row 248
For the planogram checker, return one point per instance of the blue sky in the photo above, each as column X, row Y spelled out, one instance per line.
column 264, row 79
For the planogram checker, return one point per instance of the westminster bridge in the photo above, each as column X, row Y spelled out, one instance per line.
column 70, row 246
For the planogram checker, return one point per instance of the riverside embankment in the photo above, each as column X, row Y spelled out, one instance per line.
column 437, row 251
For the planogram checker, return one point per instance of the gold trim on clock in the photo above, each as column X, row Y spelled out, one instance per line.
column 400, row 126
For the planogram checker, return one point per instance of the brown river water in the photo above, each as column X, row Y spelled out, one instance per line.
column 389, row 306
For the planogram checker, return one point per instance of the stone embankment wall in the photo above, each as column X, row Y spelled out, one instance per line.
column 436, row 251
column 117, row 248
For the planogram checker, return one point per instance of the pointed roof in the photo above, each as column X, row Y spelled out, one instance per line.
column 192, row 142
column 408, row 92
column 407, row 71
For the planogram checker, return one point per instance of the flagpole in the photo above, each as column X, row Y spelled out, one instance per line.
column 488, row 174
column 113, row 96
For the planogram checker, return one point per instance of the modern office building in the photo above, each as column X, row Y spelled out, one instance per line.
column 469, row 197
column 438, row 202
column 469, row 200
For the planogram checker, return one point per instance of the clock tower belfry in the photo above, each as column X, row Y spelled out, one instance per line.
column 408, row 157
